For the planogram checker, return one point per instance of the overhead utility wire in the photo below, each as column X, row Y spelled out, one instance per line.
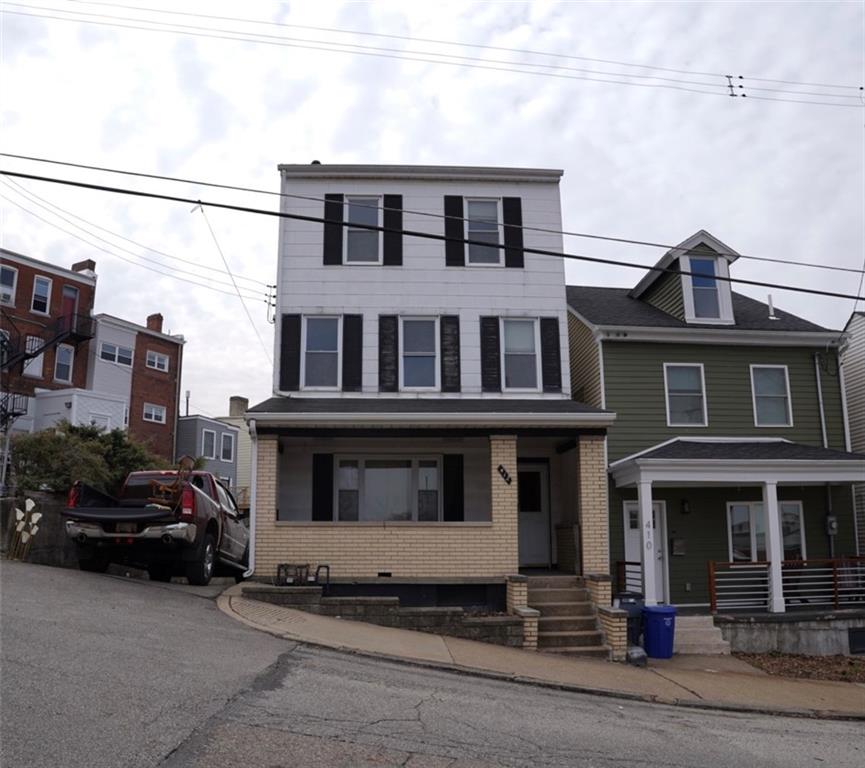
column 48, row 205
column 120, row 247
column 422, row 235
column 428, row 214
column 411, row 38
column 722, row 89
column 117, row 255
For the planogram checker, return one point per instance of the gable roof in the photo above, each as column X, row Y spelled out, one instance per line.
column 616, row 306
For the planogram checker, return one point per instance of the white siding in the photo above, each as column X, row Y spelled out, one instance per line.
column 853, row 361
column 423, row 285
column 50, row 408
column 104, row 376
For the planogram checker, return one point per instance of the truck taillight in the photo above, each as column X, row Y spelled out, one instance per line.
column 72, row 497
column 187, row 502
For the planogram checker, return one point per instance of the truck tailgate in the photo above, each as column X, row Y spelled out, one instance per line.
column 118, row 514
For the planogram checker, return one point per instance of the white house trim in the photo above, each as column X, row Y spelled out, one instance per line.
column 789, row 398
column 705, row 422
column 721, row 335
column 435, row 419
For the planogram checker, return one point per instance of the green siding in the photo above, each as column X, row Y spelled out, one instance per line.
column 634, row 382
column 666, row 294
column 704, row 529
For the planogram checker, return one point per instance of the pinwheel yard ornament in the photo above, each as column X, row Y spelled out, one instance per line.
column 26, row 527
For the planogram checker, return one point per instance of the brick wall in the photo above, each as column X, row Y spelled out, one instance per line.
column 403, row 549
column 614, row 624
column 594, row 516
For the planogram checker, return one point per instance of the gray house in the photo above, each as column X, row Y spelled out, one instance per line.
column 214, row 441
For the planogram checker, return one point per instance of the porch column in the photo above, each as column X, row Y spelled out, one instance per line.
column 593, row 508
column 504, row 497
column 774, row 546
column 266, row 490
column 647, row 541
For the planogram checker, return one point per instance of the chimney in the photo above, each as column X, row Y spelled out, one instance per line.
column 154, row 323
column 237, row 406
column 88, row 267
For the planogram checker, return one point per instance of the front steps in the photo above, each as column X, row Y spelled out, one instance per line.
column 568, row 623
column 698, row 634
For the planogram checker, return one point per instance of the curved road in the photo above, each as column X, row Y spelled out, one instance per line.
column 104, row 671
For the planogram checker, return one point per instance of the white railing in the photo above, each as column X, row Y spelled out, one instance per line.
column 629, row 576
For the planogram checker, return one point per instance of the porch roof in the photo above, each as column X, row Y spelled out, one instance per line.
column 712, row 461
column 431, row 412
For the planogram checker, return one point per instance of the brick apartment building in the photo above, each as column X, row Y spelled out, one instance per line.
column 60, row 362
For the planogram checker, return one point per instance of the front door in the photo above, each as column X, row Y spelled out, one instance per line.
column 633, row 545
column 533, row 484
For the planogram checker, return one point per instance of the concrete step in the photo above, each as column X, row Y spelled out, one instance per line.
column 591, row 651
column 694, row 622
column 567, row 623
column 559, row 581
column 570, row 639
column 717, row 648
column 579, row 608
column 572, row 594
column 698, row 634
column 695, row 634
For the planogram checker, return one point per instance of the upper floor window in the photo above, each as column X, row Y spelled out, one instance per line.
column 157, row 361
column 33, row 366
column 705, row 288
column 483, row 223
column 321, row 352
column 770, row 389
column 154, row 413
column 419, row 343
column 8, row 282
column 208, row 443
column 520, row 359
column 226, row 448
column 63, row 360
column 41, row 295
column 686, row 395
column 114, row 354
column 362, row 246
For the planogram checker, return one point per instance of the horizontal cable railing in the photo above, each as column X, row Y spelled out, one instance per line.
column 738, row 586
column 838, row 582
column 629, row 576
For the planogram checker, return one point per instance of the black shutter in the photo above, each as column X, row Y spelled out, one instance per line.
column 453, row 504
column 392, row 241
column 333, row 205
column 491, row 360
column 455, row 249
column 388, row 353
column 551, row 358
column 322, row 486
column 512, row 213
column 289, row 353
column 352, row 352
column 450, row 353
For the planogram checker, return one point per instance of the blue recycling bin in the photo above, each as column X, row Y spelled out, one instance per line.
column 659, row 627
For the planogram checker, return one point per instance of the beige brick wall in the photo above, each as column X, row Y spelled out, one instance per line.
column 594, row 520
column 517, row 593
column 415, row 550
column 614, row 624
column 530, row 633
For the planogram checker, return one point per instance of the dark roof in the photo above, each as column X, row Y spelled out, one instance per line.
column 776, row 450
column 613, row 306
column 385, row 405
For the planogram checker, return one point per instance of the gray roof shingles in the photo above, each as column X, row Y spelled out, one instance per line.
column 748, row 451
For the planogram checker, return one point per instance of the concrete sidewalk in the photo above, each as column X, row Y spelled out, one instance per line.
column 697, row 681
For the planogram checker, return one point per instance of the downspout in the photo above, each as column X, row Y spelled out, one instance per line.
column 253, row 472
column 829, row 515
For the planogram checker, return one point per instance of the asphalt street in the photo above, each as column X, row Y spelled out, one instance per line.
column 102, row 671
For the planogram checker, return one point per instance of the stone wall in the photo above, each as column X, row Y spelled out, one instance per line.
column 813, row 634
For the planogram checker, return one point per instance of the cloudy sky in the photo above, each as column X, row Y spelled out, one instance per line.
column 80, row 83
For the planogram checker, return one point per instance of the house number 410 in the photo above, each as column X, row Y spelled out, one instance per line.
column 504, row 473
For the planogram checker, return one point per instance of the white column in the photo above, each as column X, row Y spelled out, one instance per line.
column 774, row 546
column 647, row 541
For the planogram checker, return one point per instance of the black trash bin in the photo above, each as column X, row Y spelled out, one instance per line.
column 633, row 603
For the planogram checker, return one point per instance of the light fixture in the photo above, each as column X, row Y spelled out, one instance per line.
column 686, row 507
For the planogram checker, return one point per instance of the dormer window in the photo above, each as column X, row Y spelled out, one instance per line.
column 705, row 288
column 705, row 291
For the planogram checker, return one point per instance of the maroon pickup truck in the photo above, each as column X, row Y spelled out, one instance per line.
column 169, row 523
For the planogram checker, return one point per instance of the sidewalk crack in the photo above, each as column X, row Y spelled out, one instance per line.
column 676, row 682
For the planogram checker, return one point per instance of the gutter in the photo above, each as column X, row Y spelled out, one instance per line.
column 603, row 419
column 253, row 484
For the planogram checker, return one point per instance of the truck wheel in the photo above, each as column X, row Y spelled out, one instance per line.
column 160, row 572
column 201, row 570
column 93, row 564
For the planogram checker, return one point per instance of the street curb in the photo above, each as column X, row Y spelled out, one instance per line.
column 224, row 604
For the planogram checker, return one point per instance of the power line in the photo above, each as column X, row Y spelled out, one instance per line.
column 239, row 296
column 410, row 38
column 116, row 255
column 422, row 235
column 464, row 61
column 428, row 214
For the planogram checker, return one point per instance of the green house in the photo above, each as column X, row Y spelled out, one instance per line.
column 730, row 471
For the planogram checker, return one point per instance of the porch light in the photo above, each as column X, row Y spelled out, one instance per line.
column 686, row 507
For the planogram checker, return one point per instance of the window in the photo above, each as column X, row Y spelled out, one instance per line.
column 705, row 289
column 101, row 420
column 226, row 448
column 377, row 489
column 41, row 295
column 33, row 366
column 208, row 443
column 482, row 223
column 321, row 353
column 154, row 413
column 520, row 358
column 157, row 361
column 747, row 532
column 114, row 354
column 419, row 344
column 8, row 282
column 63, row 360
column 770, row 388
column 686, row 395
column 362, row 246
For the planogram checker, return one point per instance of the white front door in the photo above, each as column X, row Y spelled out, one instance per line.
column 534, row 514
column 634, row 550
